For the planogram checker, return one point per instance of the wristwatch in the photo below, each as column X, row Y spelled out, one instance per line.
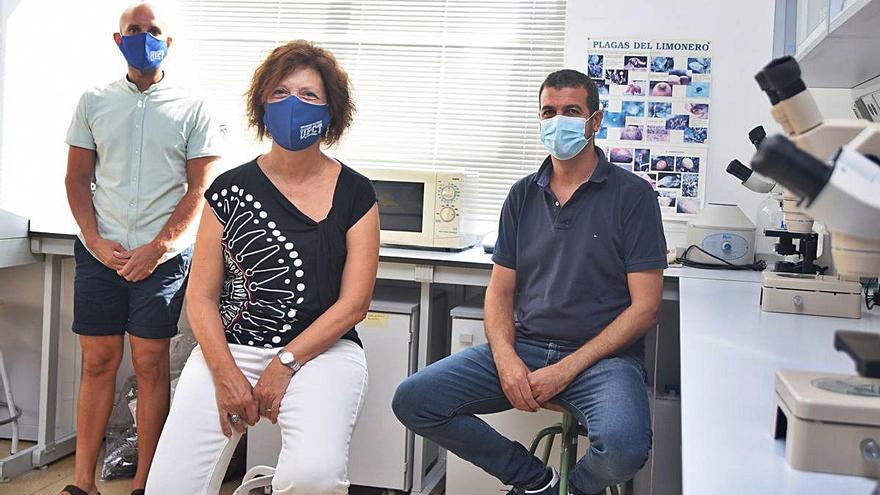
column 286, row 358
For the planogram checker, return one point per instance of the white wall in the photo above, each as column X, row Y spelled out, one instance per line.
column 50, row 52
column 53, row 52
column 741, row 33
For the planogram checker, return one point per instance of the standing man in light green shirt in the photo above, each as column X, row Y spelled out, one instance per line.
column 140, row 159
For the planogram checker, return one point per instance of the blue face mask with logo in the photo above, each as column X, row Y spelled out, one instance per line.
column 143, row 51
column 565, row 137
column 295, row 124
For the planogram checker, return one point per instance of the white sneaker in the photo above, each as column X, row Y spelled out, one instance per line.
column 551, row 488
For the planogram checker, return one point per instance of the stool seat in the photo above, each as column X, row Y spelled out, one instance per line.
column 549, row 406
column 553, row 407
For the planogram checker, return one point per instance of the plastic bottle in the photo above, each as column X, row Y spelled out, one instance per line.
column 769, row 216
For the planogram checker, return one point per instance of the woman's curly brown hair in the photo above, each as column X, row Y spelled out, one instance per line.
column 281, row 62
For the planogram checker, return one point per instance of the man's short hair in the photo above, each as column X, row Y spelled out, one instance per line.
column 568, row 78
column 285, row 59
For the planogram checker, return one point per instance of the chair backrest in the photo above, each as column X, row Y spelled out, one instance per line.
column 256, row 477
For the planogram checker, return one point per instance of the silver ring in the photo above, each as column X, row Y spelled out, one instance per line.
column 234, row 419
column 268, row 409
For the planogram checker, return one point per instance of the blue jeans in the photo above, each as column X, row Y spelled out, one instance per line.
column 610, row 399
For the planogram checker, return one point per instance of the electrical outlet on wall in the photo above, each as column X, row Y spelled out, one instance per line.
column 866, row 100
column 868, row 106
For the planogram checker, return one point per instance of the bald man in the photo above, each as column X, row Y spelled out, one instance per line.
column 140, row 158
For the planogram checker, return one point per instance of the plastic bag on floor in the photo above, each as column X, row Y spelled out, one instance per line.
column 120, row 451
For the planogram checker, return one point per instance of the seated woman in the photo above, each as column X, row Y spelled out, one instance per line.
column 284, row 267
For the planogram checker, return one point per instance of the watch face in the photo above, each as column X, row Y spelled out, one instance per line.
column 286, row 358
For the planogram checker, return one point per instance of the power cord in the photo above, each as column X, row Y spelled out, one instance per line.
column 757, row 266
column 872, row 294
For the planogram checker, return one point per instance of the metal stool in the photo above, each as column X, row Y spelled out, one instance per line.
column 14, row 412
column 568, row 430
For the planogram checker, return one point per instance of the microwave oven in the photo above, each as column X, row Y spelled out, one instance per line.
column 424, row 208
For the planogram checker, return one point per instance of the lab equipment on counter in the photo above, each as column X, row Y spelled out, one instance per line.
column 720, row 235
column 796, row 251
column 489, row 241
column 809, row 294
column 768, row 217
column 845, row 196
column 425, row 208
column 802, row 246
column 752, row 181
column 796, row 111
column 831, row 422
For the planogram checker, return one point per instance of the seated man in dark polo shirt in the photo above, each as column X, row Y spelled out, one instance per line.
column 577, row 282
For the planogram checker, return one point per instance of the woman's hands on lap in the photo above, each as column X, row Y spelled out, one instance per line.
column 235, row 396
column 270, row 389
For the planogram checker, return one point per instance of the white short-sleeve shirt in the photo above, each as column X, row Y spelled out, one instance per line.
column 142, row 142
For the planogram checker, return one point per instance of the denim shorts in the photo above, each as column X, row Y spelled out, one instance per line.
column 106, row 304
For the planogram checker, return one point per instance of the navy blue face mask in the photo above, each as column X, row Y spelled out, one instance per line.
column 295, row 124
column 143, row 51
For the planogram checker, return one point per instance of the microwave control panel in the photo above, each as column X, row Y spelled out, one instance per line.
column 449, row 205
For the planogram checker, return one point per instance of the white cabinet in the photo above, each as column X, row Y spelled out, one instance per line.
column 837, row 41
column 812, row 21
column 380, row 450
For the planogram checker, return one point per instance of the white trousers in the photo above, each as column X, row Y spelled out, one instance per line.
column 317, row 417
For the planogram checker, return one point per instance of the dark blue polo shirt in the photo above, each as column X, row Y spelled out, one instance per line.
column 571, row 261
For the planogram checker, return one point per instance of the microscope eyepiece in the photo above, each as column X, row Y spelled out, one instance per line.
column 784, row 76
column 757, row 135
column 765, row 86
column 797, row 170
column 738, row 170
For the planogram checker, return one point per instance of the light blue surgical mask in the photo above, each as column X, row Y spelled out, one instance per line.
column 565, row 137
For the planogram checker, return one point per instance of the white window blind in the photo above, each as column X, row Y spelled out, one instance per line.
column 437, row 83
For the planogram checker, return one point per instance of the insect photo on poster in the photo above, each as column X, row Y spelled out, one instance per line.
column 655, row 96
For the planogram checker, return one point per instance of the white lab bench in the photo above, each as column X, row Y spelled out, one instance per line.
column 729, row 350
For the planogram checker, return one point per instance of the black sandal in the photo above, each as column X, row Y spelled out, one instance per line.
column 138, row 491
column 75, row 490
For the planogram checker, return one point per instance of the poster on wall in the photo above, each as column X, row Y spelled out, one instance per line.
column 655, row 95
